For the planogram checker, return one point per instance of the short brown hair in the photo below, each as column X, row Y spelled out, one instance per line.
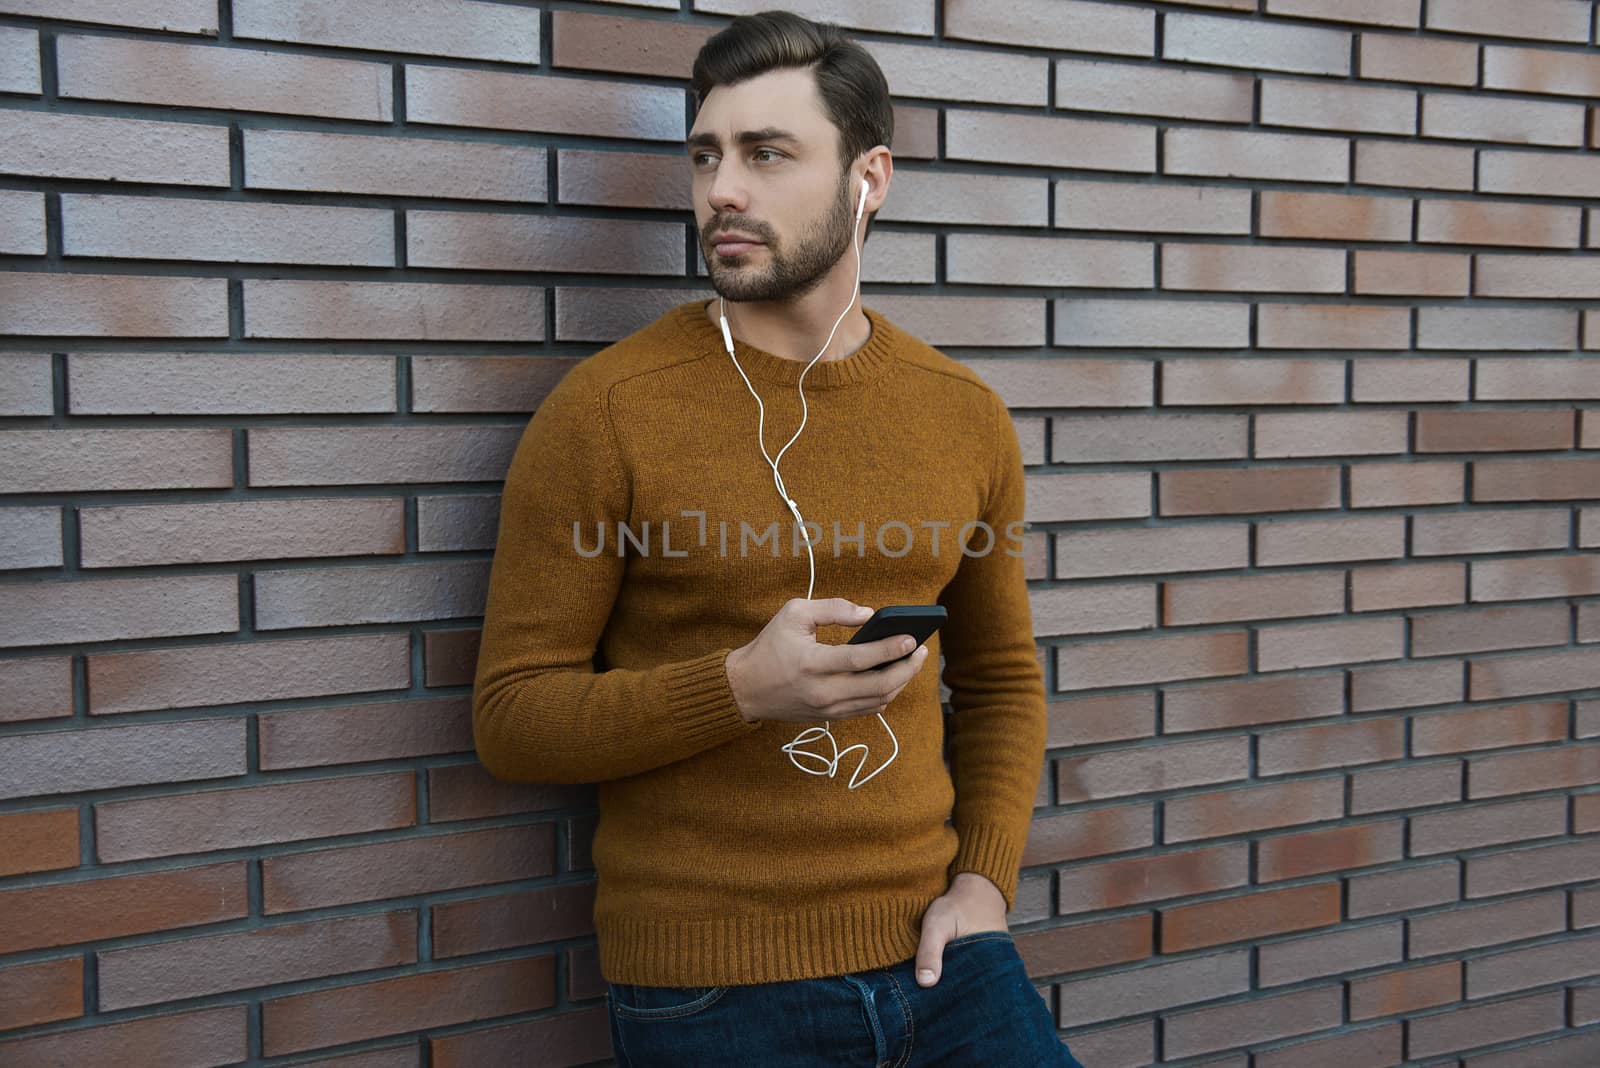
column 854, row 92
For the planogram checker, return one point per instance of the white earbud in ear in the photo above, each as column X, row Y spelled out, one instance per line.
column 866, row 187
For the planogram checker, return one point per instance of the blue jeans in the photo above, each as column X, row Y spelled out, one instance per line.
column 983, row 1012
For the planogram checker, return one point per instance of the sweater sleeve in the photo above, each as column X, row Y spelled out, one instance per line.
column 540, row 711
column 997, row 691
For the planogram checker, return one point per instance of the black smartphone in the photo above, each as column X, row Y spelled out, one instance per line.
column 917, row 620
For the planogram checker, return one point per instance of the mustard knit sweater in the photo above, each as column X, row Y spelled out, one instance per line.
column 719, row 861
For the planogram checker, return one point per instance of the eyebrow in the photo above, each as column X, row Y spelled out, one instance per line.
column 769, row 133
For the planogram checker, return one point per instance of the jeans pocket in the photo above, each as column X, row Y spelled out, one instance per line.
column 634, row 1002
column 980, row 936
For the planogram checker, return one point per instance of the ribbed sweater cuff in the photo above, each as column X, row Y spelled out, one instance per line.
column 992, row 852
column 702, row 702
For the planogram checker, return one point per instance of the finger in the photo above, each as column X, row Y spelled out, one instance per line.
column 936, row 931
column 870, row 655
column 830, row 610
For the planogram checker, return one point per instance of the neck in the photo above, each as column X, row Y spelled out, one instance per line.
column 796, row 329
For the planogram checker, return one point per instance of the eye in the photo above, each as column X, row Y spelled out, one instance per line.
column 767, row 155
column 702, row 159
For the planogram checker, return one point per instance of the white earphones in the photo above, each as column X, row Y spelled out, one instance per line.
column 826, row 765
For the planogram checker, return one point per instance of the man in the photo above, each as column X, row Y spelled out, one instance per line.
column 749, row 913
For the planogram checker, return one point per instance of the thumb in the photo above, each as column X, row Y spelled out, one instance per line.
column 930, row 953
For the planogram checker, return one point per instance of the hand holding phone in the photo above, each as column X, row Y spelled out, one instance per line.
column 917, row 620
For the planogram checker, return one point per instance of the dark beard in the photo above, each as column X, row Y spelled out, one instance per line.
column 791, row 274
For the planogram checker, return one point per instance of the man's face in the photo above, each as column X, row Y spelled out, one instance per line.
column 771, row 199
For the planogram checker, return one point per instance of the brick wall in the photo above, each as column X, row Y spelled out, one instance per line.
column 1291, row 300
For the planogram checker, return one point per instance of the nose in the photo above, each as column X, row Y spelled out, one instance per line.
column 726, row 192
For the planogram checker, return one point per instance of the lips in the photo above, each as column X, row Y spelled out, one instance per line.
column 734, row 244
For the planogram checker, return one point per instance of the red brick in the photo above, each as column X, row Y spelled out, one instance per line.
column 1254, row 44
column 403, row 867
column 1389, row 485
column 1170, row 209
column 1404, row 13
column 1093, row 609
column 1534, row 868
column 38, row 840
column 623, row 179
column 1481, row 117
column 1245, row 597
column 1246, row 268
column 45, row 613
column 1182, row 873
column 1407, row 685
column 1471, row 222
column 1548, row 20
column 1322, row 326
column 1251, row 381
column 89, row 910
column 200, row 384
column 1402, row 58
column 1535, row 276
column 1233, row 491
column 1073, row 27
column 1376, row 589
column 30, row 537
column 991, row 200
column 324, row 456
column 1345, row 949
column 1074, row 835
column 449, row 657
column 1335, row 216
column 1332, row 106
column 1127, row 1046
column 1534, row 430
column 63, row 460
column 1405, row 274
column 40, row 993
column 19, row 49
column 1541, row 70
column 1248, row 916
column 632, row 46
column 1150, row 768
column 111, row 305
column 939, row 320
column 1482, row 925
column 965, row 75
column 1080, row 947
column 1132, row 437
column 1371, row 1045
column 1152, row 324
column 1484, row 1024
column 399, row 166
column 1559, row 1053
column 50, row 145
column 1322, row 540
column 1135, row 551
column 1396, row 379
column 1418, row 166
column 1069, row 383
column 1073, row 498
column 1482, row 630
column 1540, row 174
column 194, row 967
column 1129, row 661
column 1562, row 767
column 522, row 919
column 1153, row 90
column 1489, row 728
column 1403, row 890
column 22, row 230
column 467, row 791
column 1253, row 808
column 1333, row 745
column 1250, row 1022
column 1090, row 720
column 1358, row 845
column 487, row 241
column 387, row 730
column 1514, row 676
column 1405, row 990
column 1027, row 140
column 569, row 1038
column 1285, row 648
column 1545, row 576
column 171, row 16
column 325, row 597
column 257, row 815
column 243, row 530
column 54, row 762
column 1253, row 154
column 238, row 79
column 392, row 311
column 341, row 1014
column 1498, row 328
column 467, row 30
column 200, row 1038
column 1413, row 786
column 1475, row 826
column 1153, row 988
column 1535, row 480
column 1268, row 699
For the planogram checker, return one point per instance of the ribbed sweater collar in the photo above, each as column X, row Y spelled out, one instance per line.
column 864, row 365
